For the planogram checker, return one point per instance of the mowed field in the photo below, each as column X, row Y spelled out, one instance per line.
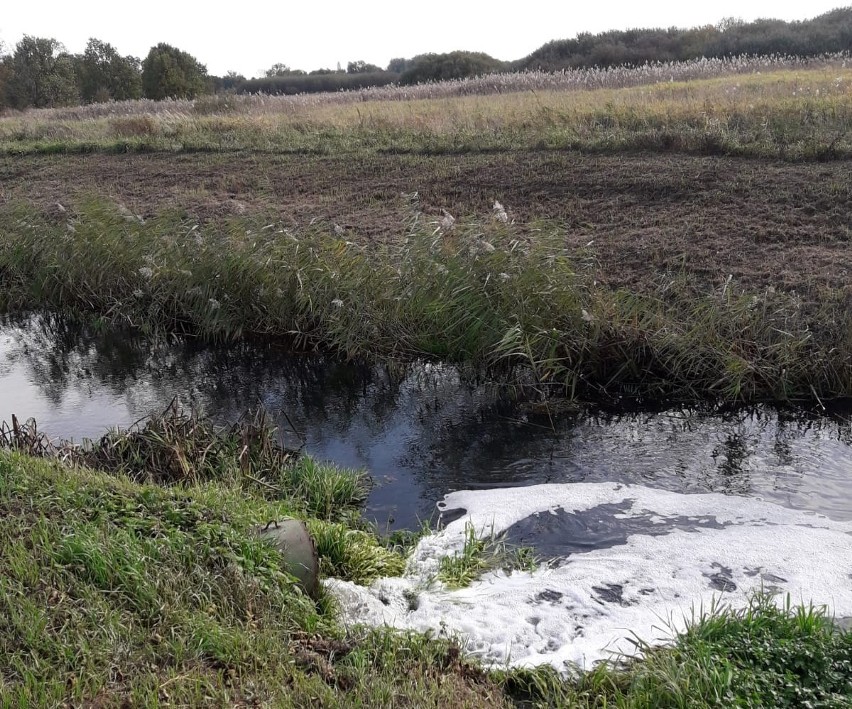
column 765, row 222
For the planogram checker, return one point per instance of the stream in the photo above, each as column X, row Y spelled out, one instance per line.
column 423, row 434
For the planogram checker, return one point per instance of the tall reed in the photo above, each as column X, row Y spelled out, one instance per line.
column 484, row 292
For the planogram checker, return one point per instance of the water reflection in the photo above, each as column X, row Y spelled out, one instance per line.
column 422, row 434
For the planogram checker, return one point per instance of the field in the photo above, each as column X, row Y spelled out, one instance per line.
column 767, row 223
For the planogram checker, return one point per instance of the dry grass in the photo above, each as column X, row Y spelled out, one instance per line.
column 771, row 107
column 568, row 80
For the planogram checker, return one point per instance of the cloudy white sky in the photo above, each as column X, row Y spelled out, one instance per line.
column 251, row 35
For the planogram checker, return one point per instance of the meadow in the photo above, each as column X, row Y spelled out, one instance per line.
column 776, row 107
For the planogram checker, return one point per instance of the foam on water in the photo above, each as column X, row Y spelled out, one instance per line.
column 586, row 605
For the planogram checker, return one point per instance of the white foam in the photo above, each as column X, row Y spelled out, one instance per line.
column 590, row 605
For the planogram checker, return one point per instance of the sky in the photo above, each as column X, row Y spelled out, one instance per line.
column 250, row 36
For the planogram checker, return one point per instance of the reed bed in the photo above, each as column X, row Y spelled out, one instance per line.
column 794, row 109
column 587, row 79
column 510, row 302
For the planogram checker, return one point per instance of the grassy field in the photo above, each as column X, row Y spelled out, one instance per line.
column 781, row 112
column 117, row 590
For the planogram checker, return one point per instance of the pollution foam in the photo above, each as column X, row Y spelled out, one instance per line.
column 589, row 606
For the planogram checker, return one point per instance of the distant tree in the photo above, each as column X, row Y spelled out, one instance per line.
column 831, row 32
column 727, row 23
column 104, row 74
column 168, row 72
column 278, row 69
column 316, row 82
column 361, row 67
column 5, row 75
column 41, row 74
column 398, row 65
column 454, row 65
column 230, row 82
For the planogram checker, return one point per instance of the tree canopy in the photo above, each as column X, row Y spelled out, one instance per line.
column 40, row 74
column 168, row 72
column 105, row 75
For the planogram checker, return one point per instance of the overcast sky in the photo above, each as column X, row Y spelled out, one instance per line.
column 250, row 36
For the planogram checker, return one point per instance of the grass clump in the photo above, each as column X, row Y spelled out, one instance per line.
column 180, row 447
column 353, row 553
column 479, row 554
column 764, row 655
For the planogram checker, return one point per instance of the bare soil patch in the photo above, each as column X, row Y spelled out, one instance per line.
column 766, row 223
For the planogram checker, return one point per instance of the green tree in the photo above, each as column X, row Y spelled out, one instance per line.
column 42, row 74
column 453, row 65
column 168, row 72
column 280, row 69
column 5, row 75
column 361, row 67
column 104, row 74
column 228, row 83
column 398, row 65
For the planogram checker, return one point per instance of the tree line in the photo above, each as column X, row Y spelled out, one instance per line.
column 828, row 33
column 40, row 73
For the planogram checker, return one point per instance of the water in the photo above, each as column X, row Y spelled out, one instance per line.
column 426, row 433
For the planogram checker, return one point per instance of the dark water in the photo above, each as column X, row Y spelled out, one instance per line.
column 424, row 434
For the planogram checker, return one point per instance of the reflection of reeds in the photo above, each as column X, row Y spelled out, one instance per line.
column 502, row 298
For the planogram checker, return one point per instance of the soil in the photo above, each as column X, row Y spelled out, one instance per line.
column 766, row 223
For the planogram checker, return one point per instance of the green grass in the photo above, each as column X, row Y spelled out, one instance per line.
column 115, row 592
column 763, row 655
column 511, row 302
column 482, row 552
column 178, row 447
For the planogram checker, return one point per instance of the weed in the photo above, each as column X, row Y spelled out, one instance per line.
column 353, row 553
column 481, row 553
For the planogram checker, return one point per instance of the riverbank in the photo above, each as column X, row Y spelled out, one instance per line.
column 120, row 591
column 649, row 239
column 507, row 300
